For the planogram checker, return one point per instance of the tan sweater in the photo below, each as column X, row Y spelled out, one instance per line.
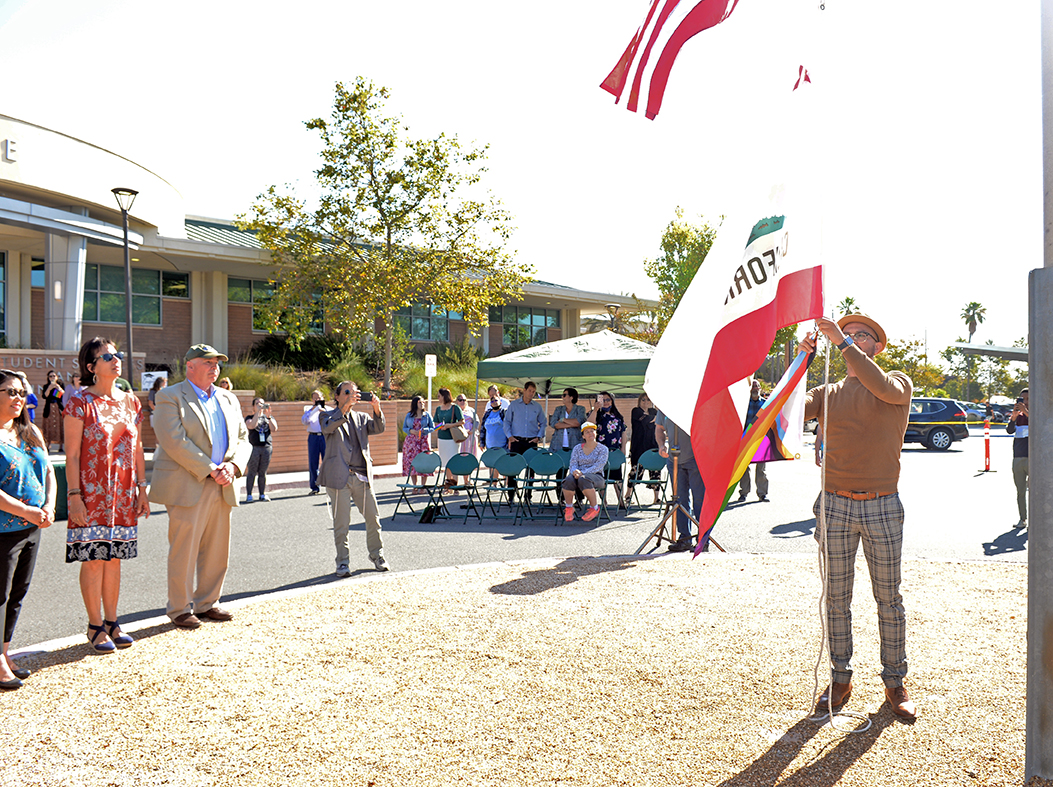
column 863, row 435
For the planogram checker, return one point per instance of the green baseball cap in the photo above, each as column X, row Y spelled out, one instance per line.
column 203, row 351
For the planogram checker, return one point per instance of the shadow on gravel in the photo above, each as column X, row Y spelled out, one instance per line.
column 570, row 570
column 825, row 770
column 1012, row 540
column 38, row 660
column 799, row 529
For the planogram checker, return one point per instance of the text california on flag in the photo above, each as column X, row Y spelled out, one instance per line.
column 645, row 65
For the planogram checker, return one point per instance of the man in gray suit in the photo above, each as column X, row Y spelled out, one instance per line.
column 347, row 472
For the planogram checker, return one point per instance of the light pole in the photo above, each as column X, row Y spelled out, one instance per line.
column 125, row 198
column 612, row 310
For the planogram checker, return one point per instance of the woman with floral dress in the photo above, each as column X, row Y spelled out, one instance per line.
column 418, row 426
column 610, row 426
column 106, row 480
column 51, row 423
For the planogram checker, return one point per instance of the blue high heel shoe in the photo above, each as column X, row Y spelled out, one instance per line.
column 122, row 640
column 101, row 647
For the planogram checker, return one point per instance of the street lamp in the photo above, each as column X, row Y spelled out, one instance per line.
column 125, row 198
column 612, row 310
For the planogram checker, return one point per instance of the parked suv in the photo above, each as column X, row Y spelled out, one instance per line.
column 936, row 422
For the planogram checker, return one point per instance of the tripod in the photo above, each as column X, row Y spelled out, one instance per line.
column 672, row 505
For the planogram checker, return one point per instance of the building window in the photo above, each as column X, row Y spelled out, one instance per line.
column 175, row 285
column 36, row 275
column 524, row 325
column 104, row 293
column 259, row 294
column 424, row 323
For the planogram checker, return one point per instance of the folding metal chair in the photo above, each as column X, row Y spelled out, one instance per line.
column 510, row 467
column 615, row 461
column 424, row 465
column 465, row 465
column 649, row 462
column 488, row 460
column 545, row 466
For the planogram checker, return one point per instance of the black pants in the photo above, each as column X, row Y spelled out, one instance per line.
column 18, row 556
column 519, row 446
column 259, row 461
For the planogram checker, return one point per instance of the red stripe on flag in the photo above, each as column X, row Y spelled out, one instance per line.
column 615, row 81
column 702, row 17
column 641, row 64
column 738, row 350
column 740, row 347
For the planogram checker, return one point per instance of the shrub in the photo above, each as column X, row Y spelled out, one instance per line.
column 314, row 352
column 461, row 354
column 276, row 383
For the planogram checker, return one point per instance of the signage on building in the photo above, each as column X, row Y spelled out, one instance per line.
column 36, row 364
column 10, row 150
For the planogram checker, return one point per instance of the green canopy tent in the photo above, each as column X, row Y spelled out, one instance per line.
column 591, row 363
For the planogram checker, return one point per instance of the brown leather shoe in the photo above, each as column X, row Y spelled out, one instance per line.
column 902, row 705
column 841, row 693
column 218, row 614
column 188, row 620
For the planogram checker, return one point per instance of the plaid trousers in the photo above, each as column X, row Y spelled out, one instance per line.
column 878, row 524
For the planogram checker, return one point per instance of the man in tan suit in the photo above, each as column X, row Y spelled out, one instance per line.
column 202, row 446
column 347, row 472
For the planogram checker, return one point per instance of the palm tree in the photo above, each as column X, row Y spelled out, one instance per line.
column 848, row 306
column 973, row 314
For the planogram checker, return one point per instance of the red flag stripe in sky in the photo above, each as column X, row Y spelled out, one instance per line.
column 802, row 75
column 667, row 30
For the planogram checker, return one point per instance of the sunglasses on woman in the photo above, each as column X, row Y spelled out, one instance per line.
column 111, row 356
column 14, row 393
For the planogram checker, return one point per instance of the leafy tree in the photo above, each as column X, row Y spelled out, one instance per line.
column 962, row 368
column 636, row 322
column 1021, row 372
column 973, row 314
column 684, row 248
column 909, row 357
column 848, row 306
column 400, row 220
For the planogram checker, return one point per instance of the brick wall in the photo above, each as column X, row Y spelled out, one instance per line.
column 163, row 344
column 240, row 337
column 458, row 330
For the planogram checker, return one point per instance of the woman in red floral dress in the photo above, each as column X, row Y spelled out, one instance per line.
column 106, row 479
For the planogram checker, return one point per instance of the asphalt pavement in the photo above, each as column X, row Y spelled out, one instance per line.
column 954, row 510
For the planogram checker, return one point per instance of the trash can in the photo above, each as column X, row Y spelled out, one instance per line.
column 61, row 507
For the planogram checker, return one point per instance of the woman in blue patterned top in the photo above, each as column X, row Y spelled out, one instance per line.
column 27, row 504
column 588, row 460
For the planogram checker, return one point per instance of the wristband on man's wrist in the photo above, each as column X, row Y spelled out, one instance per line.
column 845, row 344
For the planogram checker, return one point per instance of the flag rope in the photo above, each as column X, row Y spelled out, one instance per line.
column 824, row 643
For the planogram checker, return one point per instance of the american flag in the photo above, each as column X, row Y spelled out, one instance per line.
column 648, row 59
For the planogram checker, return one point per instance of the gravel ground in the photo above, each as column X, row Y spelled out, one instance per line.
column 615, row 671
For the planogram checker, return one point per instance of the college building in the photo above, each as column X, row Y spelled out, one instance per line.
column 194, row 279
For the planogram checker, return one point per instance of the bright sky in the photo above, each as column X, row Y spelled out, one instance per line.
column 931, row 169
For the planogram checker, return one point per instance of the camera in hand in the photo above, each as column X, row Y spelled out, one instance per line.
column 1020, row 400
column 366, row 396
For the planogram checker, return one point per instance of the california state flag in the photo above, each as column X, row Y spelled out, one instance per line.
column 762, row 273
